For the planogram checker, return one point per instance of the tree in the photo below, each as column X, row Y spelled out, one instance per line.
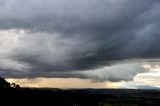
column 13, row 85
column 5, row 84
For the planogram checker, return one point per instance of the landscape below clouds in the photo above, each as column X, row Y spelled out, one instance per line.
column 96, row 43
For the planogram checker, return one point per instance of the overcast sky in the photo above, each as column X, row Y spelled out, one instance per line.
column 102, row 40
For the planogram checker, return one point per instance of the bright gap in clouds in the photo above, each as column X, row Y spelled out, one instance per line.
column 146, row 80
column 58, row 83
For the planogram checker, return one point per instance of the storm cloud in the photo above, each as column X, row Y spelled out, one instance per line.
column 69, row 38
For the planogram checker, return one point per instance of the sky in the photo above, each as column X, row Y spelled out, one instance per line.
column 80, row 44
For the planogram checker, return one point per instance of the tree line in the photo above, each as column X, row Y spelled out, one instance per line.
column 5, row 84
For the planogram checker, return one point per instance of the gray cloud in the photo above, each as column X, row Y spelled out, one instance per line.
column 56, row 38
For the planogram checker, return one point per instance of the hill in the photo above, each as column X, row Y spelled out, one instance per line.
column 80, row 97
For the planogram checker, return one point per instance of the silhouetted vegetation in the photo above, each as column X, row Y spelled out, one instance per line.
column 5, row 84
column 78, row 97
column 13, row 85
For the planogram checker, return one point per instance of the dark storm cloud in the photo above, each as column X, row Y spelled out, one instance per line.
column 72, row 35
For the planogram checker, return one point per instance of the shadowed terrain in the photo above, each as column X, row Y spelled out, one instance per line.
column 77, row 97
column 81, row 97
